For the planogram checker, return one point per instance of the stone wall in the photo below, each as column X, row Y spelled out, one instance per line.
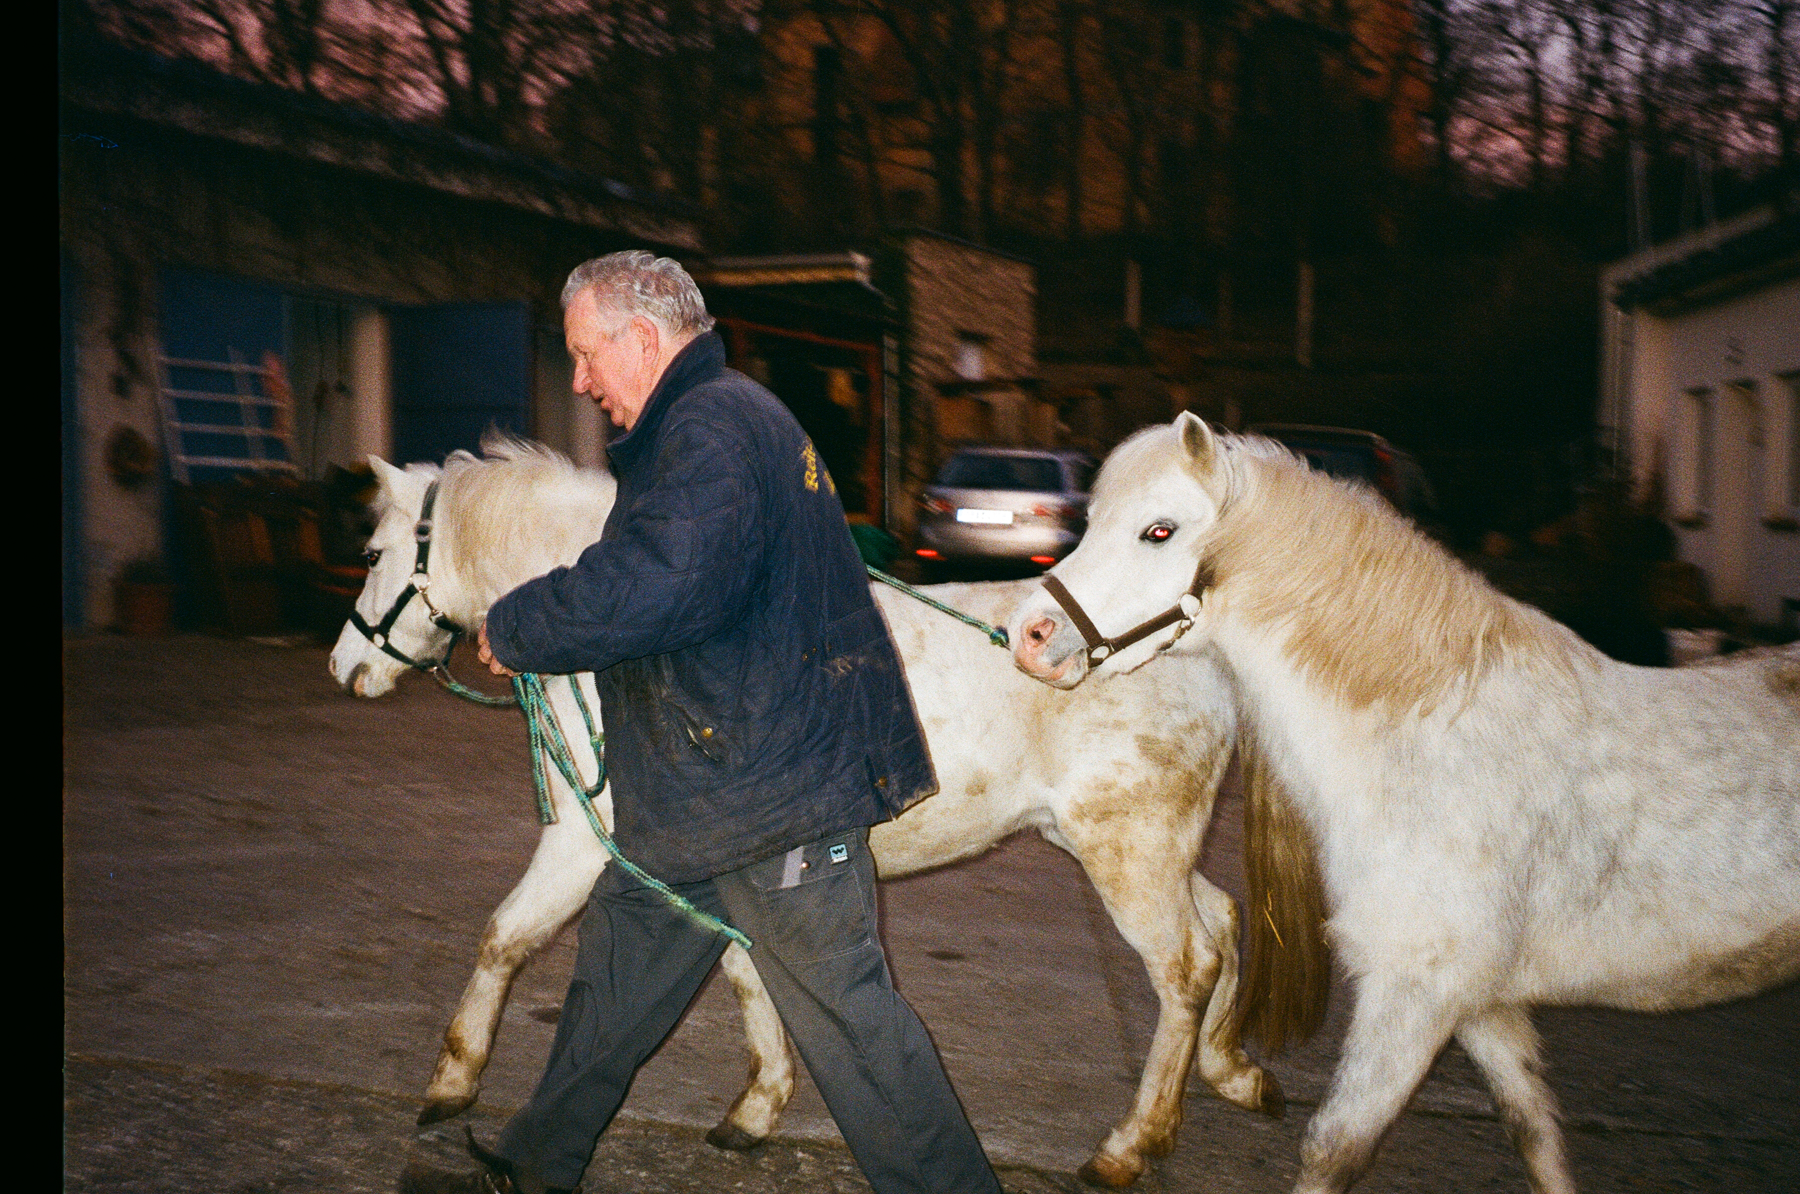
column 970, row 359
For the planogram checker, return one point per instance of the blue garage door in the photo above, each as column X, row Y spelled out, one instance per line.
column 458, row 368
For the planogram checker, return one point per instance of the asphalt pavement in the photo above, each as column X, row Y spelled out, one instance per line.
column 273, row 894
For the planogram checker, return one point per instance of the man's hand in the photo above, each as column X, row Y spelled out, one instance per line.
column 486, row 656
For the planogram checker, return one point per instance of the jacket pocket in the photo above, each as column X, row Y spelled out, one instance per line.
column 698, row 732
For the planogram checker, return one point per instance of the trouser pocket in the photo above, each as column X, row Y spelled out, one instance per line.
column 815, row 901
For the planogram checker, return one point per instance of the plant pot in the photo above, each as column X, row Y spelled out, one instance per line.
column 144, row 607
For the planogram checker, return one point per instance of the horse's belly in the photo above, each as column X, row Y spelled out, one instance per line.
column 1692, row 977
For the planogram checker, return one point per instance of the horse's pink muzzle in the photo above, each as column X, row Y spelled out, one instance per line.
column 1047, row 647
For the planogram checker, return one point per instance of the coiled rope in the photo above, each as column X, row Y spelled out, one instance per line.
column 548, row 742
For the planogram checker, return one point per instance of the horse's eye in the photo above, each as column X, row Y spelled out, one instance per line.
column 1157, row 532
column 371, row 556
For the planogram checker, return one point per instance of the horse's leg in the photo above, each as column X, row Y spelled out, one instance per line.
column 1221, row 1057
column 1396, row 1030
column 753, row 1114
column 553, row 891
column 1185, row 929
column 1505, row 1046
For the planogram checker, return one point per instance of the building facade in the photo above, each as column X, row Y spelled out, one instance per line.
column 1700, row 402
column 258, row 283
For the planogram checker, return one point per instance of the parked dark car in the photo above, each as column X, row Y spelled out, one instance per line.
column 1360, row 456
column 1025, row 506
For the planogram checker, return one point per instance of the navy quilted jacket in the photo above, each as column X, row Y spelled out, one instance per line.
column 752, row 696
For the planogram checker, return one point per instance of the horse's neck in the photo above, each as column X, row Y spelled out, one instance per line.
column 553, row 532
column 1354, row 605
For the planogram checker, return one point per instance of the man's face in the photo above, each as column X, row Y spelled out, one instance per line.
column 616, row 372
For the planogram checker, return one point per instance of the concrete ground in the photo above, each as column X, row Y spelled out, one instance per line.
column 273, row 894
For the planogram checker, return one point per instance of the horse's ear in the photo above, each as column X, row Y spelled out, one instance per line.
column 386, row 475
column 1197, row 440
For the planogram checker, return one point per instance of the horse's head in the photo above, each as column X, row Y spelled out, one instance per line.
column 1132, row 586
column 395, row 620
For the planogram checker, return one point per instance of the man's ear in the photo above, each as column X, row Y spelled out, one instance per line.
column 649, row 336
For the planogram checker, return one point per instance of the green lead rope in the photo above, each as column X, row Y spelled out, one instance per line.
column 455, row 687
column 547, row 742
column 996, row 634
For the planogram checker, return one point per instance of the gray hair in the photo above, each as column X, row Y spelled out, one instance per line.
column 636, row 282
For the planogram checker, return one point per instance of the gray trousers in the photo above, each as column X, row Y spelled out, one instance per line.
column 811, row 914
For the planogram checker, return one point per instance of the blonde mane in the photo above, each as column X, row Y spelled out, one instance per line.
column 492, row 538
column 1373, row 610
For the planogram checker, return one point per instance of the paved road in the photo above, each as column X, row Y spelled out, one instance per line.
column 273, row 894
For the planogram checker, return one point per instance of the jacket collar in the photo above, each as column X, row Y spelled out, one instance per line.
column 701, row 360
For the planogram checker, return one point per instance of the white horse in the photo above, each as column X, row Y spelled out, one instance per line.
column 1500, row 815
column 1123, row 777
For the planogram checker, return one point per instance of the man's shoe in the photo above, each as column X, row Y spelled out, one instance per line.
column 496, row 1168
column 496, row 1176
column 421, row 1179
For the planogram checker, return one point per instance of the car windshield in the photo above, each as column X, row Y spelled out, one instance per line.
column 972, row 471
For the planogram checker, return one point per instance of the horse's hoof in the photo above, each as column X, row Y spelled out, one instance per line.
column 1271, row 1101
column 438, row 1110
column 732, row 1138
column 1110, row 1173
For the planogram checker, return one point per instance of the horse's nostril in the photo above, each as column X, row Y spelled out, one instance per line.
column 1039, row 632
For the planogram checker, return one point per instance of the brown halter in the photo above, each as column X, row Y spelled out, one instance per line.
column 1099, row 647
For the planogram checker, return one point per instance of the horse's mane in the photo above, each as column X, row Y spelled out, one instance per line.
column 520, row 509
column 1374, row 610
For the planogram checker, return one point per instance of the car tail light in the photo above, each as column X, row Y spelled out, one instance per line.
column 926, row 552
column 1057, row 511
column 1044, row 560
column 935, row 505
column 1385, row 480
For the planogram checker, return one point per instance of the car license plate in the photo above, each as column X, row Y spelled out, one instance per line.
column 998, row 518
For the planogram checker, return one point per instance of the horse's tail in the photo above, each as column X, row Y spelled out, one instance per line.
column 1287, row 967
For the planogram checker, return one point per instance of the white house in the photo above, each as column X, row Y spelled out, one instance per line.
column 1700, row 401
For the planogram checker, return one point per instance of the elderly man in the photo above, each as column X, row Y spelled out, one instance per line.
column 757, row 723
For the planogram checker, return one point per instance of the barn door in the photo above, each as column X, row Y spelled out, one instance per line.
column 237, row 530
column 457, row 368
column 222, row 373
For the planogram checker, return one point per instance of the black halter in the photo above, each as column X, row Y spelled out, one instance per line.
column 1099, row 647
column 416, row 586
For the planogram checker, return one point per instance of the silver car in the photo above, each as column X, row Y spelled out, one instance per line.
column 1024, row 506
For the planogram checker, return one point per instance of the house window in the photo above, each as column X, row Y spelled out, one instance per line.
column 971, row 356
column 1691, row 460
